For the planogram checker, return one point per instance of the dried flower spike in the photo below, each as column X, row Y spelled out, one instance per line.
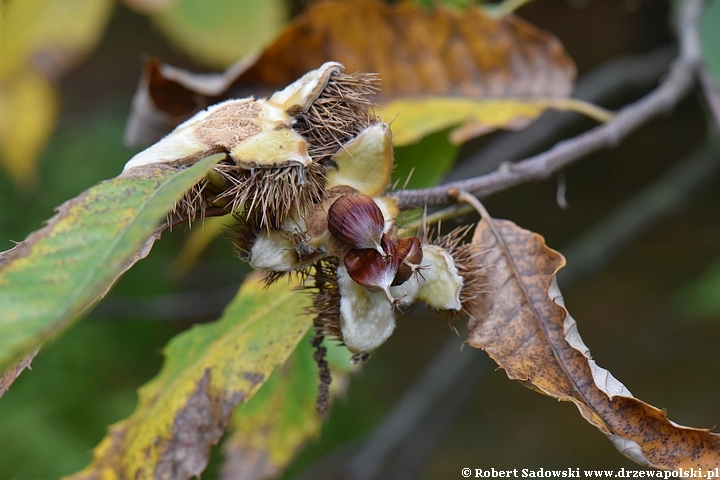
column 358, row 222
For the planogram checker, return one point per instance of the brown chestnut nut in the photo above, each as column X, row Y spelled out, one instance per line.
column 372, row 270
column 409, row 252
column 358, row 222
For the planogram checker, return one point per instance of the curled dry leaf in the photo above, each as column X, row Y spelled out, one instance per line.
column 524, row 326
column 422, row 57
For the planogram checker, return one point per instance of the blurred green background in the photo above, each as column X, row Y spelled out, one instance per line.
column 645, row 315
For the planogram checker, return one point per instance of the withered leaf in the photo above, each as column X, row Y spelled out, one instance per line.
column 524, row 326
column 420, row 54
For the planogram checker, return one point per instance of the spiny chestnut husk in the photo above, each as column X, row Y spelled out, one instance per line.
column 358, row 222
column 339, row 114
column 278, row 149
column 466, row 258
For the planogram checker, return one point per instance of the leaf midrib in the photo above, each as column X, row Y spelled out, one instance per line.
column 528, row 300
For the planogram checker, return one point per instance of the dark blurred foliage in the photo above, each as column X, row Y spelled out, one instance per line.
column 55, row 414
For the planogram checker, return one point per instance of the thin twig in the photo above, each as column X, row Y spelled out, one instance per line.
column 676, row 86
column 631, row 74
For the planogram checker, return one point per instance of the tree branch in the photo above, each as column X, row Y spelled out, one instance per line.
column 636, row 74
column 413, row 425
column 676, row 86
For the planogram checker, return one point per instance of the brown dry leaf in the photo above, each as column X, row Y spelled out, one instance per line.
column 524, row 326
column 420, row 54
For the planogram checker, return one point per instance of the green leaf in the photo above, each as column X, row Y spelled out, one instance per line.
column 281, row 418
column 208, row 371
column 51, row 278
column 710, row 38
column 428, row 161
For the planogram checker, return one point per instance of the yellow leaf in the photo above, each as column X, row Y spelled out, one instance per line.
column 50, row 35
column 267, row 433
column 414, row 118
column 208, row 371
column 28, row 111
column 218, row 32
column 41, row 39
column 277, row 421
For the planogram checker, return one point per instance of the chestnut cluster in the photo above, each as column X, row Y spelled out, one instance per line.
column 305, row 176
column 373, row 260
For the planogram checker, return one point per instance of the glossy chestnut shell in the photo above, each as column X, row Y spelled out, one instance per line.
column 358, row 222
